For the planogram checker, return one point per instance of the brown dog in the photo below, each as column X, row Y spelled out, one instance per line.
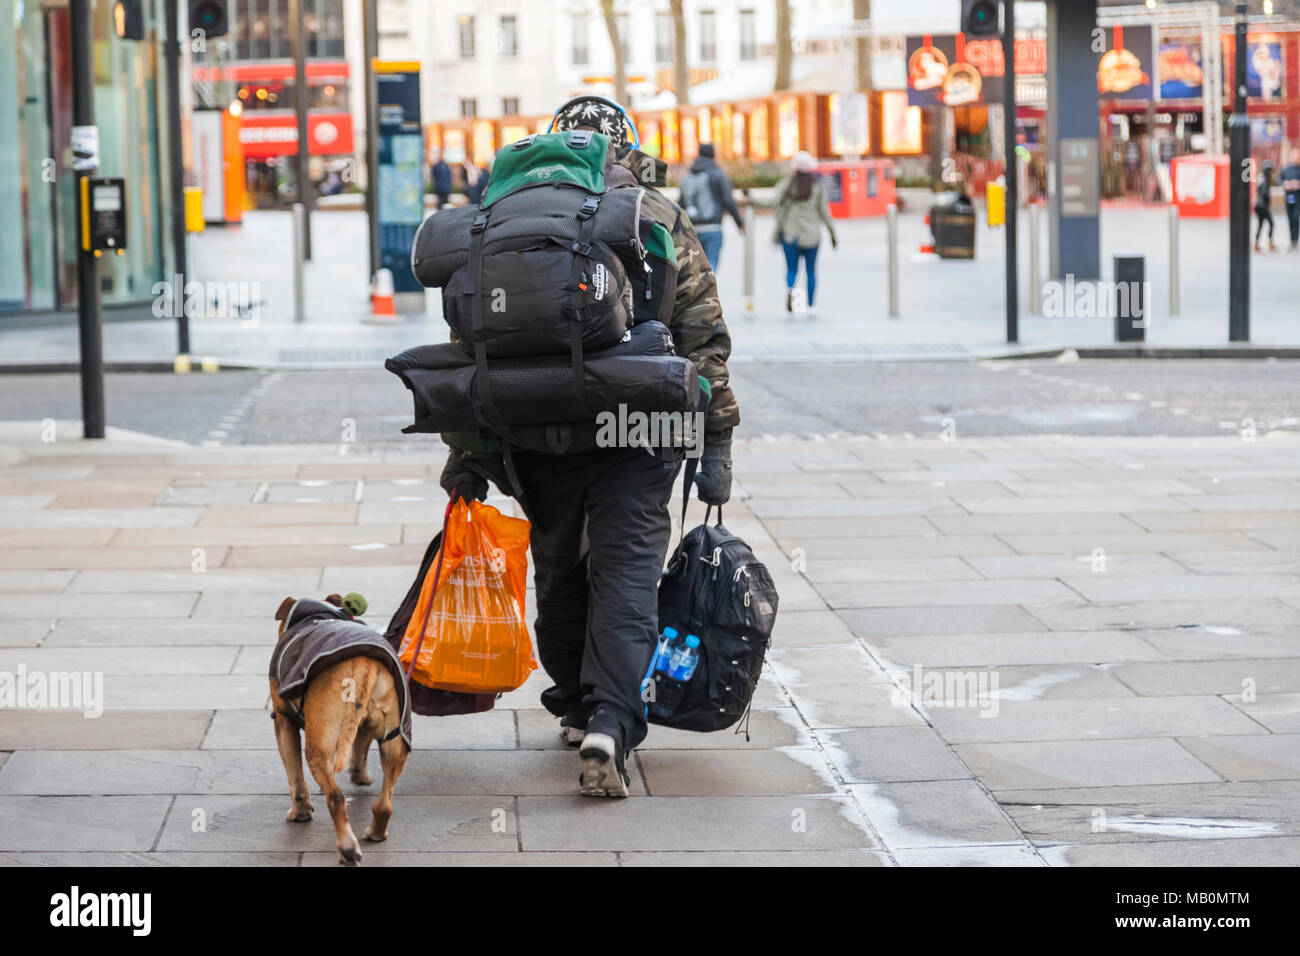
column 346, row 705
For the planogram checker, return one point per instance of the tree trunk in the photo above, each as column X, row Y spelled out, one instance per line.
column 681, row 71
column 620, row 68
column 784, row 46
column 862, row 12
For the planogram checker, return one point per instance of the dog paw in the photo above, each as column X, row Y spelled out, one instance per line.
column 299, row 814
column 361, row 778
column 374, row 837
column 349, row 855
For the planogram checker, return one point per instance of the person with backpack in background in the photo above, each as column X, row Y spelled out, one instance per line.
column 1290, row 178
column 600, row 521
column 706, row 195
column 476, row 182
column 441, row 182
column 801, row 211
column 1263, row 206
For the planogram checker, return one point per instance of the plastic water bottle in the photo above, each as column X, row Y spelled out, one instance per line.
column 664, row 652
column 670, row 684
column 685, row 659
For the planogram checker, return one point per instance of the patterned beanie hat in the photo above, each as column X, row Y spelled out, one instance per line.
column 587, row 113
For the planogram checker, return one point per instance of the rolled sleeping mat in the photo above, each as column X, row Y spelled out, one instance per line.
column 639, row 374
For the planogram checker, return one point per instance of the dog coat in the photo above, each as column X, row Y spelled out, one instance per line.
column 317, row 635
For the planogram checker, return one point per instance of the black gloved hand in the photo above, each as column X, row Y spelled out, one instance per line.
column 459, row 479
column 713, row 480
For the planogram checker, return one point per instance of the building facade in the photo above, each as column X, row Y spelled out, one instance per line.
column 38, row 261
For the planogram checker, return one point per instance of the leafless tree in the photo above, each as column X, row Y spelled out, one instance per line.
column 681, row 71
column 784, row 46
column 615, row 42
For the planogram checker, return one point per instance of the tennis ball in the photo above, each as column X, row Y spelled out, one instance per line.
column 354, row 603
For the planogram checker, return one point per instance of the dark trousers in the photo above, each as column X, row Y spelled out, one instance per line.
column 1265, row 216
column 1293, row 220
column 600, row 534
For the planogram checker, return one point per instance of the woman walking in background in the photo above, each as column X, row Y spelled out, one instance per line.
column 1263, row 206
column 801, row 211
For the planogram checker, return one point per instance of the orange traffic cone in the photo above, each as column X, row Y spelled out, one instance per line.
column 927, row 244
column 382, row 307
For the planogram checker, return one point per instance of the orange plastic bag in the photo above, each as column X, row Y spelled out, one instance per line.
column 475, row 639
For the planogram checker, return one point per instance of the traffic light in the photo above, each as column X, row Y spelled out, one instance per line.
column 128, row 19
column 979, row 18
column 210, row 16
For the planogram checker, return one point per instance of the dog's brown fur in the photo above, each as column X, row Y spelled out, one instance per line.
column 346, row 706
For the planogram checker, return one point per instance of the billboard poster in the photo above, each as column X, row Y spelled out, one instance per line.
column 1124, row 72
column 955, row 70
column 1264, row 69
column 1179, row 71
column 400, row 177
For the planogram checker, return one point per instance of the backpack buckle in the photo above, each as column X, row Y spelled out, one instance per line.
column 589, row 205
column 582, row 248
column 523, row 143
column 579, row 138
column 480, row 223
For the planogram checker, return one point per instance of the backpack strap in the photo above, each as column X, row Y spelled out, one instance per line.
column 581, row 256
column 473, row 278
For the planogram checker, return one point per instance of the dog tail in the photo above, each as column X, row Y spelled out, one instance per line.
column 365, row 676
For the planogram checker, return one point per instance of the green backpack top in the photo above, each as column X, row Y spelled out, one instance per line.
column 576, row 157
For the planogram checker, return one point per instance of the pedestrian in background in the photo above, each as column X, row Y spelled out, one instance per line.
column 801, row 212
column 476, row 182
column 1291, row 191
column 706, row 195
column 1263, row 206
column 441, row 183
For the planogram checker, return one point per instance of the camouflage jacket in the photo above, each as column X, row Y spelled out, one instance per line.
column 699, row 331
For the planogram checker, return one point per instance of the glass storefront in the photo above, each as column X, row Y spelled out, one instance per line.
column 38, row 266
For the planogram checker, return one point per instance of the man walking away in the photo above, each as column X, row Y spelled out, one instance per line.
column 1291, row 190
column 441, row 183
column 706, row 195
column 1263, row 207
column 601, row 527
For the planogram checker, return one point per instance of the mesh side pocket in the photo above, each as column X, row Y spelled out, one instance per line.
column 535, row 391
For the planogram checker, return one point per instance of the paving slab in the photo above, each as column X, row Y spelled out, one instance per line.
column 113, row 730
column 802, row 823
column 1280, row 713
column 996, row 855
column 1258, row 675
column 257, row 824
column 756, row 858
column 81, row 823
column 938, row 813
column 871, row 623
column 1259, row 851
column 1271, row 757
column 167, row 605
column 26, row 632
column 809, row 629
column 162, row 661
column 1200, row 642
column 1046, row 648
column 154, row 632
column 853, row 705
column 1075, row 763
column 1099, row 718
column 735, row 773
column 1189, row 811
column 80, row 861
column 892, row 754
column 1133, row 615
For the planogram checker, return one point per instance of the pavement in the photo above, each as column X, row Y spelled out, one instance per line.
column 949, row 309
column 1030, row 651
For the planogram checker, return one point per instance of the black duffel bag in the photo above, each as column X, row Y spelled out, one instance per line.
column 716, row 589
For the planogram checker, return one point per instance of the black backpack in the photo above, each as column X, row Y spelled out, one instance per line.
column 550, row 269
column 716, row 589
